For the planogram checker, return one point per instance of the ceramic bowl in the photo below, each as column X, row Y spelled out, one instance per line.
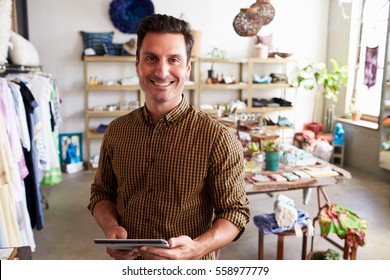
column 283, row 54
column 271, row 54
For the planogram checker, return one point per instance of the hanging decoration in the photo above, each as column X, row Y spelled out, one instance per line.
column 126, row 14
column 370, row 66
column 247, row 22
column 250, row 20
column 266, row 10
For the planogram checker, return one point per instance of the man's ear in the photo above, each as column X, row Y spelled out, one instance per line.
column 188, row 69
column 136, row 64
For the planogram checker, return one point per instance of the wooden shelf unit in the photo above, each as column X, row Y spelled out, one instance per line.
column 100, row 91
column 244, row 82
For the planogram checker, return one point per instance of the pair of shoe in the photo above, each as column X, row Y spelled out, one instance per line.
column 283, row 121
column 269, row 122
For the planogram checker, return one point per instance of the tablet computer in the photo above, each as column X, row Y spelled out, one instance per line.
column 127, row 244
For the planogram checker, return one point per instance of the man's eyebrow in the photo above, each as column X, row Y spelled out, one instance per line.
column 149, row 53
column 169, row 55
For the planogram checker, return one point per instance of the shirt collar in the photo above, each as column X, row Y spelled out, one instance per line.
column 173, row 115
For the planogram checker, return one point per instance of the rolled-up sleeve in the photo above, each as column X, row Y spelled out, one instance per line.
column 226, row 180
column 104, row 186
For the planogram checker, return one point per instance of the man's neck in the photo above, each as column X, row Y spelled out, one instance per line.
column 158, row 110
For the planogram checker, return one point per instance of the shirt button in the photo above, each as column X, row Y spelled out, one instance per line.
column 152, row 160
column 156, row 131
column 147, row 220
column 149, row 190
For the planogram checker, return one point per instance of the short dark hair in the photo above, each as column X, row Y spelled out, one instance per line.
column 158, row 23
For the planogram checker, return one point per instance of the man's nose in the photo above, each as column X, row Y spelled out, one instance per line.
column 162, row 69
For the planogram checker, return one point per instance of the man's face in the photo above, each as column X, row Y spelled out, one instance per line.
column 162, row 67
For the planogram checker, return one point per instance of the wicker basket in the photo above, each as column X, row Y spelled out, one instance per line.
column 247, row 22
column 265, row 10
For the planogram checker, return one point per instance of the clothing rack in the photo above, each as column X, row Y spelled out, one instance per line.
column 15, row 69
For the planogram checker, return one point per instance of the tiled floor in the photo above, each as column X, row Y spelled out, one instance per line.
column 70, row 229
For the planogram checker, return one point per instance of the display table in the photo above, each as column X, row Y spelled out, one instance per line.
column 339, row 176
column 320, row 181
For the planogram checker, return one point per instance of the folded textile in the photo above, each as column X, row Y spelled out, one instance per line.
column 257, row 79
column 344, row 222
column 285, row 212
column 101, row 128
column 282, row 102
column 267, row 224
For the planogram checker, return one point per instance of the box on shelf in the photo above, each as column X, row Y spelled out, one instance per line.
column 72, row 167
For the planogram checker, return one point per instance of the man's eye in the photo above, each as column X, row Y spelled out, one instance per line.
column 175, row 60
column 150, row 59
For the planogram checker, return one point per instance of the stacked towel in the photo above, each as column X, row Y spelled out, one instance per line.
column 285, row 212
column 267, row 224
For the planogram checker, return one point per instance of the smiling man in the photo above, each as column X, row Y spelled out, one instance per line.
column 168, row 170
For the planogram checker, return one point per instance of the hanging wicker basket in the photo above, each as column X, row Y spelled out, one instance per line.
column 265, row 9
column 247, row 22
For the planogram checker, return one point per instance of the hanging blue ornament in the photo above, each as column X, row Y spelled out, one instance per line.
column 126, row 14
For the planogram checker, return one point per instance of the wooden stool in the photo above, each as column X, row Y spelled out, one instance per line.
column 280, row 246
column 349, row 253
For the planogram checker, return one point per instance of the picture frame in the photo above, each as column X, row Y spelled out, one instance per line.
column 70, row 147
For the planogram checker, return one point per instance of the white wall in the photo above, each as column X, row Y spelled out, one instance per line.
column 299, row 26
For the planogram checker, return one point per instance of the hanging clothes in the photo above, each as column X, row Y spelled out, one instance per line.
column 33, row 192
column 8, row 224
column 29, row 154
column 43, row 91
column 370, row 66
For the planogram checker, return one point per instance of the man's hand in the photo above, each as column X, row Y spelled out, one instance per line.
column 123, row 254
column 118, row 232
column 181, row 248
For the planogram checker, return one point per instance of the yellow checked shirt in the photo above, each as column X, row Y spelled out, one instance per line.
column 172, row 179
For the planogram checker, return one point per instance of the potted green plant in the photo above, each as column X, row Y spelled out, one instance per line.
column 328, row 83
column 215, row 53
column 324, row 255
column 354, row 110
column 272, row 155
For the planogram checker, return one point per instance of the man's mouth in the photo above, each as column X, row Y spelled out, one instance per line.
column 162, row 84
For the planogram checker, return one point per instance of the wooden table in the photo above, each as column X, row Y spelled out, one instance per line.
column 273, row 186
column 318, row 182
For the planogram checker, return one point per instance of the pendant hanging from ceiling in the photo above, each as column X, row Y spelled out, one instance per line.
column 247, row 22
column 266, row 10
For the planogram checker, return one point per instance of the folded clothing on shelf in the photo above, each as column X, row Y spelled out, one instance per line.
column 283, row 121
column 101, row 128
column 278, row 78
column 264, row 103
column 282, row 102
column 265, row 79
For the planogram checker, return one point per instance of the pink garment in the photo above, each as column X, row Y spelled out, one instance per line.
column 370, row 67
column 8, row 114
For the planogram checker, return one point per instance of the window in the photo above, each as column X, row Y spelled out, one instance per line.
column 371, row 56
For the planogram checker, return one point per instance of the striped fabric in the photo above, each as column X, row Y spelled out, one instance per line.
column 95, row 40
column 172, row 179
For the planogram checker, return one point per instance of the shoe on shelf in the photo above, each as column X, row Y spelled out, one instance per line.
column 269, row 122
column 283, row 121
